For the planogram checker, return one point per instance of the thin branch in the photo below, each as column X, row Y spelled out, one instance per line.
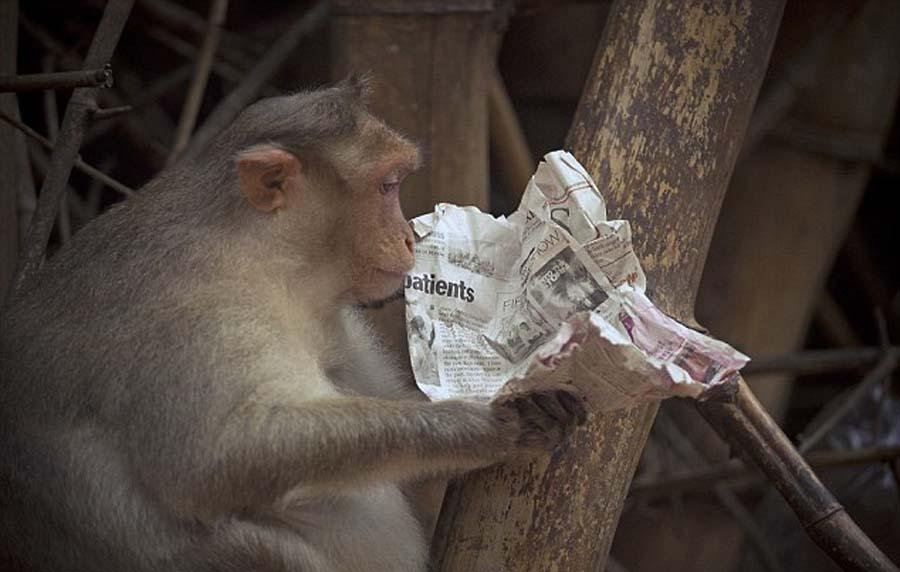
column 82, row 213
column 57, row 80
column 65, row 153
column 26, row 198
column 94, row 195
column 104, row 113
column 249, row 88
column 894, row 466
column 237, row 49
column 745, row 425
column 40, row 160
column 866, row 274
column 194, row 97
column 816, row 361
column 735, row 471
column 51, row 119
column 134, row 131
column 843, row 406
column 864, row 456
column 79, row 164
column 145, row 98
column 186, row 49
column 51, row 109
column 834, row 323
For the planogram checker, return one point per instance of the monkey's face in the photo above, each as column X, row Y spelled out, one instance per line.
column 380, row 237
column 340, row 212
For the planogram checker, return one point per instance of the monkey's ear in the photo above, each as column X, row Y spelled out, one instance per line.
column 264, row 175
column 359, row 84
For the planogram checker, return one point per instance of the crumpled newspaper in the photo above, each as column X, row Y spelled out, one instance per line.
column 553, row 293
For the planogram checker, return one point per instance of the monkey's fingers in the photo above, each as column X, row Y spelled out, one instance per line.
column 564, row 404
column 533, row 415
column 536, row 435
column 551, row 404
column 574, row 403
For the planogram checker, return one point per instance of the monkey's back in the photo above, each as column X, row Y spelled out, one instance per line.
column 88, row 355
column 99, row 305
column 102, row 359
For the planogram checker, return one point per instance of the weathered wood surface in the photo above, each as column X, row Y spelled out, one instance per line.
column 509, row 147
column 659, row 128
column 789, row 208
column 431, row 65
column 784, row 216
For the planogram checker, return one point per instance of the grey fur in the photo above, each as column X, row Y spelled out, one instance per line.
column 171, row 401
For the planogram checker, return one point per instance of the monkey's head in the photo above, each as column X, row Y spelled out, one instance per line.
column 324, row 176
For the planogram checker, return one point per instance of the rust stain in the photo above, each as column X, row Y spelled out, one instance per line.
column 711, row 40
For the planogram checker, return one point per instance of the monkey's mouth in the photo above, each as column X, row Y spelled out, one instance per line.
column 381, row 303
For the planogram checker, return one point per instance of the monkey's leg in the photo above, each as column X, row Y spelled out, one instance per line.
column 249, row 546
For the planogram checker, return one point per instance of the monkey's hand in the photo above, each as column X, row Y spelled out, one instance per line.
column 540, row 419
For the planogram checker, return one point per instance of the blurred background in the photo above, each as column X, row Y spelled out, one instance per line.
column 802, row 274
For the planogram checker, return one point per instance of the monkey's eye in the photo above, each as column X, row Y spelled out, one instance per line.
column 389, row 187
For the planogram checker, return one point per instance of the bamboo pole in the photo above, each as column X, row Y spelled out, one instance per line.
column 789, row 208
column 658, row 127
column 431, row 63
column 745, row 424
column 194, row 97
column 816, row 361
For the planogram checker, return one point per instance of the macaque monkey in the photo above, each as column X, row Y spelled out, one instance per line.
column 188, row 385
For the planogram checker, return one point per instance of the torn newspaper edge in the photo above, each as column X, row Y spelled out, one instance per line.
column 553, row 293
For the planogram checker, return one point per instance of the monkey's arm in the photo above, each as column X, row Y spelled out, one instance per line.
column 268, row 449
